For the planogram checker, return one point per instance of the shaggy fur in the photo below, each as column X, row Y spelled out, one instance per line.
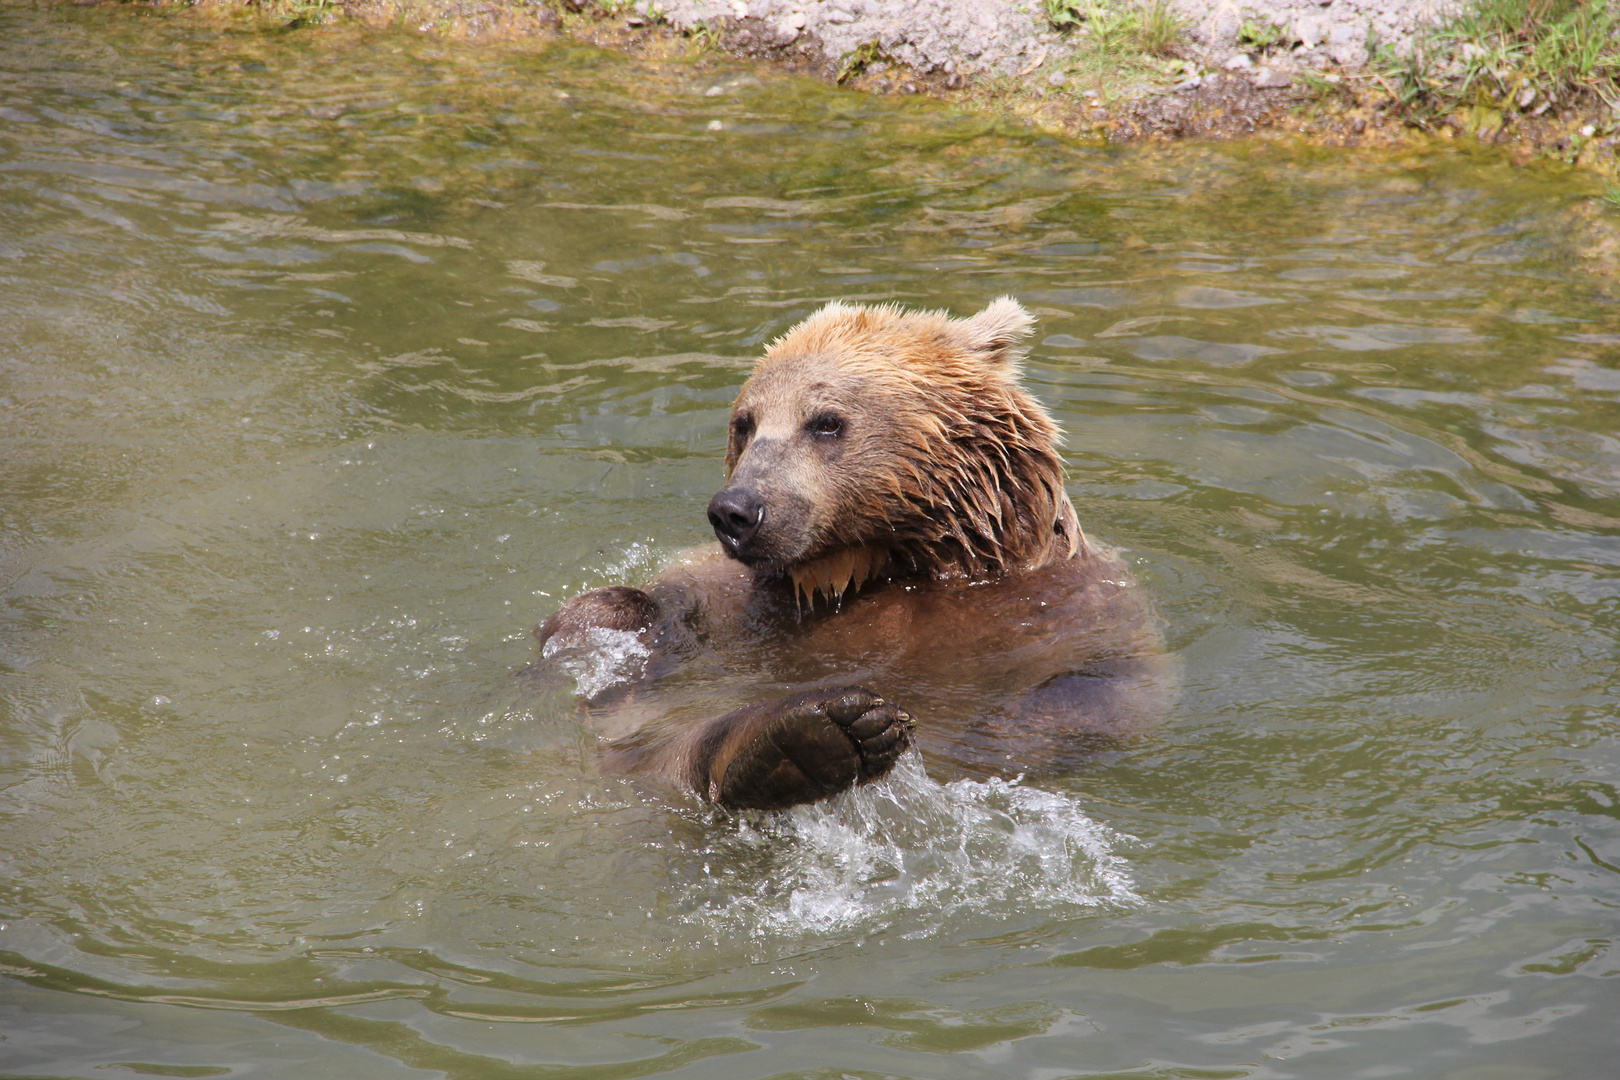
column 972, row 483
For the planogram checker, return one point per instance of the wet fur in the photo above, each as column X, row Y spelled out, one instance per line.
column 894, row 515
column 969, row 482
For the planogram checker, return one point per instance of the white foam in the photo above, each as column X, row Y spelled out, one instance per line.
column 909, row 853
column 604, row 659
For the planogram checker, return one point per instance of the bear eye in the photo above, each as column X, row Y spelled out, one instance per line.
column 742, row 426
column 826, row 424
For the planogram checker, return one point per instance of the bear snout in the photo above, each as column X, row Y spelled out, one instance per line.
column 736, row 514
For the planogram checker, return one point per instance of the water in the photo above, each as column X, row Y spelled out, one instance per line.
column 330, row 364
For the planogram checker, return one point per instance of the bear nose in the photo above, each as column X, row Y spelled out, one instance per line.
column 736, row 514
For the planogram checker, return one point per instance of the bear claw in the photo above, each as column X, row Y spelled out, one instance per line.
column 810, row 746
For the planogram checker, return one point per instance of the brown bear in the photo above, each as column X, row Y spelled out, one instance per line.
column 894, row 516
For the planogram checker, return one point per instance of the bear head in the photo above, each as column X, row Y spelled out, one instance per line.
column 872, row 441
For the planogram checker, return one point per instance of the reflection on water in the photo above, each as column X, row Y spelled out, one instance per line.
column 329, row 365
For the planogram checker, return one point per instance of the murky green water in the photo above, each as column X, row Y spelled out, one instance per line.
column 329, row 365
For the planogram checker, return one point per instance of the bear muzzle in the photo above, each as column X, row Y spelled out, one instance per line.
column 762, row 525
column 736, row 514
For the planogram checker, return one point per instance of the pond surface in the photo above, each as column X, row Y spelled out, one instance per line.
column 329, row 365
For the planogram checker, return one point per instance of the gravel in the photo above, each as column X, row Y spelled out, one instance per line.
column 1001, row 36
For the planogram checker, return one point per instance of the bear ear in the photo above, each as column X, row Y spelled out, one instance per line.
column 996, row 331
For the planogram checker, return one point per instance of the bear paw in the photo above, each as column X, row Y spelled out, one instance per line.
column 810, row 746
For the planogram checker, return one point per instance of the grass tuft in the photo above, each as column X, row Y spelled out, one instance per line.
column 1152, row 27
column 857, row 59
column 1260, row 35
column 1519, row 57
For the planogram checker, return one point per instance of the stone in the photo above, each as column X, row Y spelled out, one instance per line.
column 1219, row 27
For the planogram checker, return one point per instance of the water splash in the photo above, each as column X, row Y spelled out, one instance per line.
column 908, row 854
column 637, row 563
column 604, row 659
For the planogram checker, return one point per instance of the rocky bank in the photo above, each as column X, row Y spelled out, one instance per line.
column 1233, row 67
column 1001, row 36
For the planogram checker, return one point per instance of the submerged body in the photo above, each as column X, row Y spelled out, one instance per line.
column 897, row 563
column 1004, row 674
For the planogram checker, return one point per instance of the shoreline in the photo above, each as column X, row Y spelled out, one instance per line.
column 1260, row 71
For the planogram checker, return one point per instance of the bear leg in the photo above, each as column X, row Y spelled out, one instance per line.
column 797, row 749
